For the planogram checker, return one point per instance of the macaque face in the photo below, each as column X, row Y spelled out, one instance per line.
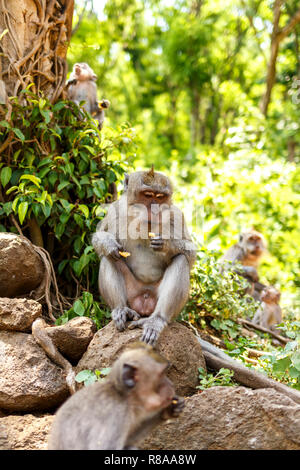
column 150, row 197
column 83, row 72
column 153, row 388
column 270, row 295
column 254, row 244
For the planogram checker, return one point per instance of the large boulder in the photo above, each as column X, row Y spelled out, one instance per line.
column 21, row 268
column 73, row 338
column 18, row 314
column 26, row 432
column 28, row 378
column 177, row 344
column 231, row 418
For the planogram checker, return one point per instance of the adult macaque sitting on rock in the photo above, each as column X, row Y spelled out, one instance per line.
column 146, row 255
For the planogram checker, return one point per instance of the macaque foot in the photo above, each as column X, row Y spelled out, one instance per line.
column 120, row 315
column 152, row 327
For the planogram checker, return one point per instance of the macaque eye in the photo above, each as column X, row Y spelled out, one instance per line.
column 148, row 194
column 160, row 195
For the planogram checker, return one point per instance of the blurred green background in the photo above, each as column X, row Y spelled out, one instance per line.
column 190, row 78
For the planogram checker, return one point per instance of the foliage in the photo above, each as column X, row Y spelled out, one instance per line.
column 89, row 377
column 284, row 365
column 86, row 306
column 222, row 378
column 219, row 297
column 54, row 175
column 189, row 76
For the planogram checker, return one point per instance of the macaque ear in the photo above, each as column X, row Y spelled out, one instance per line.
column 241, row 237
column 126, row 179
column 94, row 77
column 128, row 375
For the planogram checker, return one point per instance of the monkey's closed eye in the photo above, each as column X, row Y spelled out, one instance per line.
column 160, row 195
column 148, row 194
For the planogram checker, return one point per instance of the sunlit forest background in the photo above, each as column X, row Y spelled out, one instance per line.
column 195, row 91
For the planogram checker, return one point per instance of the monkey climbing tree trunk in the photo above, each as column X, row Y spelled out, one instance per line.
column 34, row 39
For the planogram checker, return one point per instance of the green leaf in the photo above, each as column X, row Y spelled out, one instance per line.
column 22, row 211
column 78, row 308
column 84, row 375
column 63, row 185
column 19, row 134
column 5, row 176
column 34, row 179
column 295, row 358
column 84, row 209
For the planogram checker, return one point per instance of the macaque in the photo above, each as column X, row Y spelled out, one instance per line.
column 247, row 252
column 269, row 312
column 81, row 86
column 118, row 412
column 146, row 255
column 39, row 332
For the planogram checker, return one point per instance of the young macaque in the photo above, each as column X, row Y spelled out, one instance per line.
column 149, row 285
column 118, row 412
column 81, row 86
column 247, row 252
column 269, row 313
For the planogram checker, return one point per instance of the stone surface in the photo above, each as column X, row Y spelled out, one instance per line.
column 231, row 418
column 73, row 337
column 18, row 314
column 26, row 432
column 177, row 344
column 21, row 268
column 28, row 379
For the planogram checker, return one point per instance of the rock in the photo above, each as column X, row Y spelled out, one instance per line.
column 26, row 432
column 21, row 268
column 177, row 344
column 28, row 379
column 18, row 314
column 231, row 418
column 73, row 337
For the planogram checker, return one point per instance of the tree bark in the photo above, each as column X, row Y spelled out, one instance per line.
column 33, row 45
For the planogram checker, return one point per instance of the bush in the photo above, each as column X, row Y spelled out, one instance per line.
column 55, row 170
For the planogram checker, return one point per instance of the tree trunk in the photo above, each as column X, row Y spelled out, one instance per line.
column 277, row 36
column 34, row 41
column 195, row 118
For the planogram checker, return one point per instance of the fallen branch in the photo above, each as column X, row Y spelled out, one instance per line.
column 280, row 338
column 249, row 377
column 215, row 359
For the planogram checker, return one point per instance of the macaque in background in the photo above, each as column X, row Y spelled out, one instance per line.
column 269, row 313
column 146, row 255
column 120, row 411
column 81, row 86
column 248, row 252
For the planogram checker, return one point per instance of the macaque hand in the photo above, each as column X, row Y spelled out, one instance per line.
column 157, row 242
column 120, row 315
column 175, row 408
column 112, row 250
column 152, row 327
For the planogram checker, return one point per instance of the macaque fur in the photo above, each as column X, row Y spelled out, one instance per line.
column 248, row 252
column 118, row 412
column 151, row 286
column 269, row 313
column 81, row 86
column 39, row 332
